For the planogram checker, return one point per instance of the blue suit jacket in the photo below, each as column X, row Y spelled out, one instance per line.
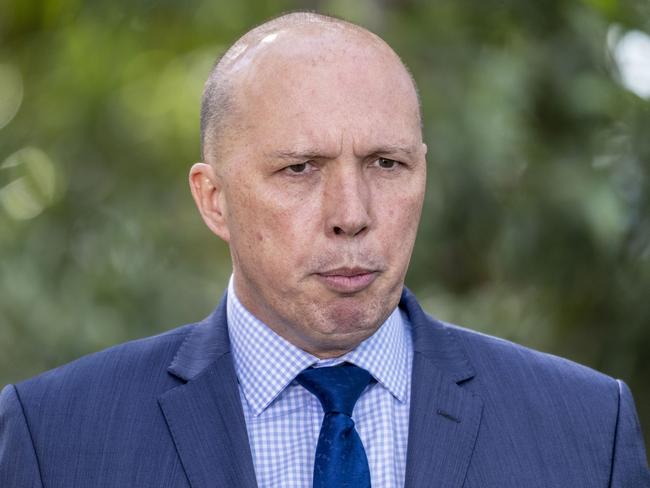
column 165, row 412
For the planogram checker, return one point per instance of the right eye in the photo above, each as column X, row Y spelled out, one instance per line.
column 300, row 169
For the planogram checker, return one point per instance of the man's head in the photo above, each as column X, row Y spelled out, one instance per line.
column 314, row 173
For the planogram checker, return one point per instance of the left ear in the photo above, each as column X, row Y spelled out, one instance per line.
column 207, row 190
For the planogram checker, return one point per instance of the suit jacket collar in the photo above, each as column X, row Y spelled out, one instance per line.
column 436, row 341
column 444, row 417
column 207, row 342
column 204, row 415
column 206, row 420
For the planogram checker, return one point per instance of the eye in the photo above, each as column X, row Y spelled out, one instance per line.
column 302, row 169
column 386, row 163
column 297, row 168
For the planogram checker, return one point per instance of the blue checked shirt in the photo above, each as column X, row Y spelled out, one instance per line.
column 283, row 419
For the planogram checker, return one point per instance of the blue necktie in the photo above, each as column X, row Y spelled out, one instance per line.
column 340, row 457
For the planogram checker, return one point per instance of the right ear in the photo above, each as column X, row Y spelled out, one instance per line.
column 207, row 190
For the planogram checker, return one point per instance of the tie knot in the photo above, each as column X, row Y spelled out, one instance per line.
column 338, row 387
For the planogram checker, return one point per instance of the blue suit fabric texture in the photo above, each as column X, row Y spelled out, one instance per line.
column 166, row 412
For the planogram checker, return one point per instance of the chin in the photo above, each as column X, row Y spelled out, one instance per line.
column 334, row 343
column 348, row 316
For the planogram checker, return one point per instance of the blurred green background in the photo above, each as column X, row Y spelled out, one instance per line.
column 537, row 219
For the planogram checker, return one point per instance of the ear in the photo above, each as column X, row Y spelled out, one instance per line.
column 207, row 190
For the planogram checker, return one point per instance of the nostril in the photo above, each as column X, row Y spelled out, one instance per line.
column 338, row 231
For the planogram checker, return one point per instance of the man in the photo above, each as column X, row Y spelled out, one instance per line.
column 314, row 174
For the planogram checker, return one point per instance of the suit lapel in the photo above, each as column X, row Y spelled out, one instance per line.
column 204, row 415
column 444, row 417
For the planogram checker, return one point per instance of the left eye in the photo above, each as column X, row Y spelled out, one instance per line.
column 386, row 163
column 298, row 168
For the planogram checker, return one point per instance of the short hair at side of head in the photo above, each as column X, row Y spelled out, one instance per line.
column 218, row 106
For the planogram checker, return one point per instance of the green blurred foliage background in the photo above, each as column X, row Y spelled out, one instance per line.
column 537, row 219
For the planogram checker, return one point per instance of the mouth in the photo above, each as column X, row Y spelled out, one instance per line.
column 347, row 280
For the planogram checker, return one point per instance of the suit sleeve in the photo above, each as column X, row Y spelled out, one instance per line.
column 629, row 463
column 18, row 462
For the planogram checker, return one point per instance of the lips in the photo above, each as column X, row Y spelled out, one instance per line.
column 347, row 280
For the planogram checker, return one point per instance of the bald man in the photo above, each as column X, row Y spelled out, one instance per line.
column 318, row 368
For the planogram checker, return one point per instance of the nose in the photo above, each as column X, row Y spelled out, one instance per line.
column 347, row 203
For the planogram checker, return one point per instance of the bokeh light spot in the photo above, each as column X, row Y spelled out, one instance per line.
column 11, row 93
column 631, row 51
column 32, row 186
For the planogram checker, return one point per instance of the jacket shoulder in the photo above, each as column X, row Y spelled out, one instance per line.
column 98, row 418
column 142, row 361
column 553, row 413
column 513, row 362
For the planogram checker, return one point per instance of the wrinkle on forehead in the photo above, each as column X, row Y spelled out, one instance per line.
column 348, row 146
column 343, row 137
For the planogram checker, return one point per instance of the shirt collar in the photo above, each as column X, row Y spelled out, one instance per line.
column 266, row 363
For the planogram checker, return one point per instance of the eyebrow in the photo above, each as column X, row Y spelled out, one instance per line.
column 393, row 148
column 296, row 154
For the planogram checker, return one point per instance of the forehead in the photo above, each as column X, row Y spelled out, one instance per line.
column 326, row 88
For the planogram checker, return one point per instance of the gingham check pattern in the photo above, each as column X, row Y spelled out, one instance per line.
column 283, row 419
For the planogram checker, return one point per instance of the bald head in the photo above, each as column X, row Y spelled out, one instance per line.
column 272, row 49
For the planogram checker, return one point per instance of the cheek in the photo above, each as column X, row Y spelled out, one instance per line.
column 401, row 210
column 399, row 220
column 267, row 234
